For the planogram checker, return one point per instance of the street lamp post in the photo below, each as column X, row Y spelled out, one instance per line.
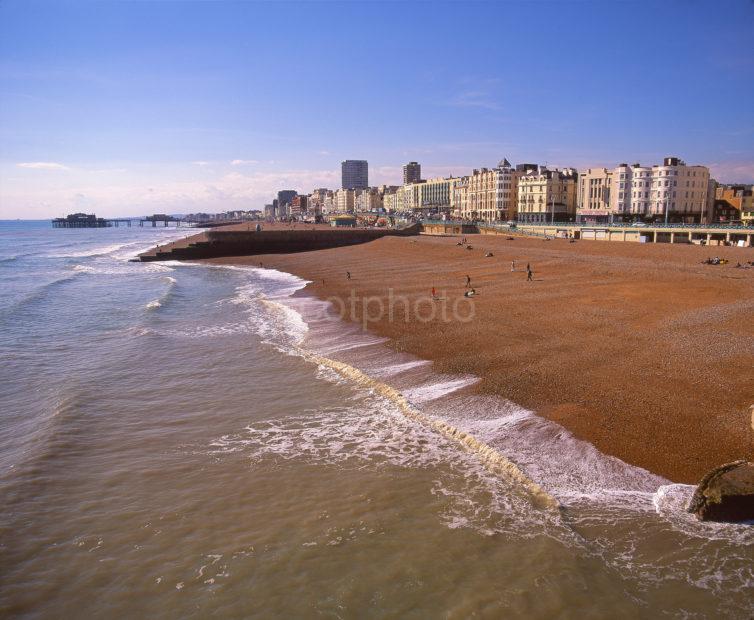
column 552, row 197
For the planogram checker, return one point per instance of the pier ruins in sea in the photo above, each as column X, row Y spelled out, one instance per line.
column 90, row 220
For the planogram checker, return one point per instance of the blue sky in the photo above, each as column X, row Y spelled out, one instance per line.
column 130, row 107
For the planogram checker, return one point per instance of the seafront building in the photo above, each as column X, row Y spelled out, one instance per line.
column 593, row 200
column 298, row 206
column 344, row 200
column 459, row 194
column 389, row 202
column 354, row 174
column 282, row 205
column 317, row 200
column 733, row 203
column 412, row 173
column 433, row 196
column 490, row 193
column 672, row 191
column 747, row 207
column 407, row 197
column 547, row 195
column 368, row 200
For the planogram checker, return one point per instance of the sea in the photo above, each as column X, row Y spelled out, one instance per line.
column 182, row 440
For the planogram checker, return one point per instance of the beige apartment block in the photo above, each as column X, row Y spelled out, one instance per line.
column 491, row 193
column 459, row 193
column 407, row 197
column 344, row 200
column 593, row 200
column 368, row 200
column 389, row 201
column 547, row 195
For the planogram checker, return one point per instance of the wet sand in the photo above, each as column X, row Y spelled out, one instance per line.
column 639, row 349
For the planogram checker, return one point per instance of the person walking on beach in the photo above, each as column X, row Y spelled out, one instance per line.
column 434, row 295
column 348, row 275
column 529, row 274
column 468, row 282
column 513, row 265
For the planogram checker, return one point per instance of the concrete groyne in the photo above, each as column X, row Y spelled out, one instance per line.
column 221, row 243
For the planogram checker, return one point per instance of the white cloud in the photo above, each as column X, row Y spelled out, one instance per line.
column 474, row 99
column 200, row 163
column 43, row 165
column 243, row 162
column 733, row 171
column 146, row 193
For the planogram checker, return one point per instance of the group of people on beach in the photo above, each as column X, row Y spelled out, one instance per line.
column 529, row 272
column 724, row 261
column 471, row 291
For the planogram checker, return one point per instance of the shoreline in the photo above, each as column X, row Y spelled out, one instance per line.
column 595, row 382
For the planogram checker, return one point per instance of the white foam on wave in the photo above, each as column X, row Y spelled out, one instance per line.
column 438, row 389
column 369, row 430
column 276, row 324
column 572, row 470
column 397, row 369
column 349, row 344
column 85, row 269
column 671, row 502
column 97, row 251
column 163, row 299
column 106, row 267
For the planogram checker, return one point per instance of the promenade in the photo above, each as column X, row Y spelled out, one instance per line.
column 700, row 234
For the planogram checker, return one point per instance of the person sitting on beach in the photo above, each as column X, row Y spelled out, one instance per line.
column 470, row 293
column 489, row 255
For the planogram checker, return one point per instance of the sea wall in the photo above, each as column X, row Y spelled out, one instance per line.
column 219, row 243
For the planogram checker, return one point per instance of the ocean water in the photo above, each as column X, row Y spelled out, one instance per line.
column 183, row 440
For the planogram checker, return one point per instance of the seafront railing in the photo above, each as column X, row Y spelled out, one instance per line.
column 716, row 226
column 506, row 226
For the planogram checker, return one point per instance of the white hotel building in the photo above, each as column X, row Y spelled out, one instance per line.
column 672, row 191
